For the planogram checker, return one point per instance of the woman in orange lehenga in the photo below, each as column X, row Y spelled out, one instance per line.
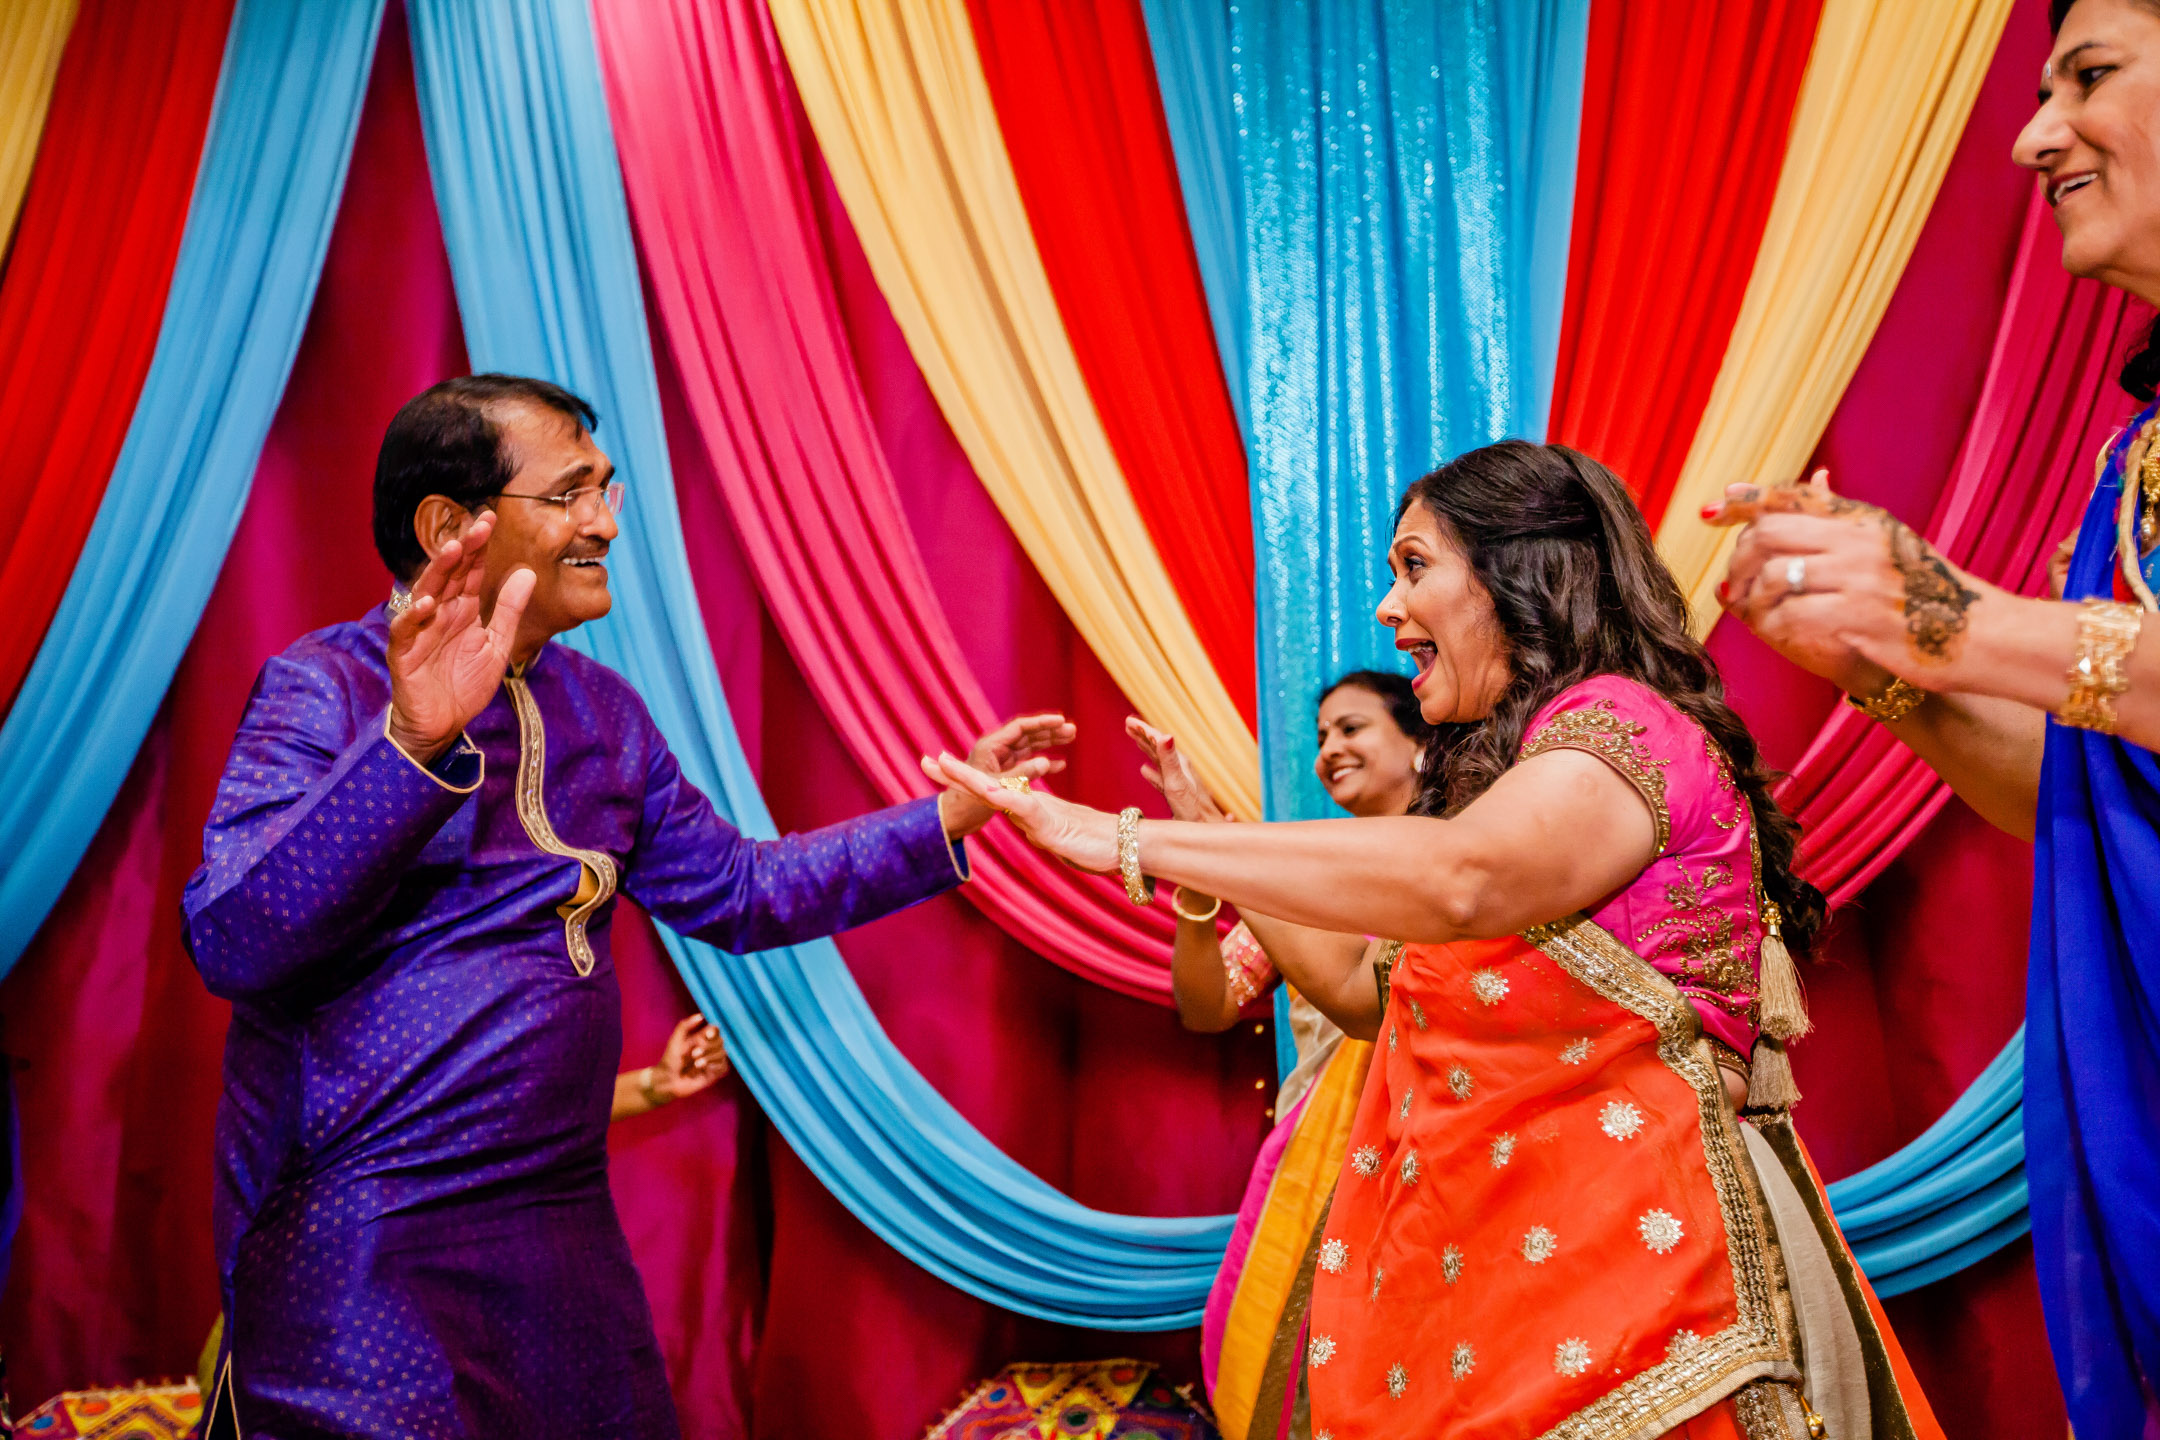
column 1573, row 1204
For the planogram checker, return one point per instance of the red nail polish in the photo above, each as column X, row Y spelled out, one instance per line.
column 1709, row 512
column 1724, row 591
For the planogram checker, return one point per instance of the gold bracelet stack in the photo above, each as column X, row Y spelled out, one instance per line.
column 2107, row 633
column 1177, row 905
column 1138, row 888
column 1896, row 701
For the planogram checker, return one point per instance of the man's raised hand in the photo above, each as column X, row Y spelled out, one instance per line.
column 445, row 664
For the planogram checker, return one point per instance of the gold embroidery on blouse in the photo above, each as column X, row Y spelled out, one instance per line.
column 1596, row 729
column 1726, row 784
column 596, row 870
column 1700, row 932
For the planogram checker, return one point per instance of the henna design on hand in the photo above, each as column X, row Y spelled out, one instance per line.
column 1935, row 600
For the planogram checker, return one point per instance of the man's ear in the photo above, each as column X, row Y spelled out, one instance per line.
column 437, row 522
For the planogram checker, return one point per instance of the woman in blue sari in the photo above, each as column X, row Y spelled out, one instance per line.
column 2044, row 715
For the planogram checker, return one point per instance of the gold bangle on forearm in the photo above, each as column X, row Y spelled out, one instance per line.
column 2107, row 633
column 1138, row 888
column 1896, row 701
column 1177, row 905
column 645, row 1087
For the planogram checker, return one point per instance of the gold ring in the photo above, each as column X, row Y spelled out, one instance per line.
column 1014, row 782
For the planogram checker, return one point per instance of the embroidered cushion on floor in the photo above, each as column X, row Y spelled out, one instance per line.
column 1093, row 1400
column 152, row 1412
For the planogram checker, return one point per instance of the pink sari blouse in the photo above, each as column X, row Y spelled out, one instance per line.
column 1694, row 913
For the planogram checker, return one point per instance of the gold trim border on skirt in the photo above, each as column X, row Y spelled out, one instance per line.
column 1762, row 1344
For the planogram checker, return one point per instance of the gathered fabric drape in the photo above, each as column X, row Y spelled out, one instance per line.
column 1954, row 1195
column 1190, row 42
column 539, row 236
column 904, row 116
column 1883, row 104
column 1660, row 260
column 32, row 35
column 1408, row 176
column 774, row 394
column 85, row 288
column 1074, row 87
column 272, row 169
column 2020, row 482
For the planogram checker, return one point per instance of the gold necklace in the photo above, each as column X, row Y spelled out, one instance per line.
column 2149, row 483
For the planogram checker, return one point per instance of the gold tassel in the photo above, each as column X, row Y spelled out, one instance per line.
column 1781, row 1008
column 1770, row 1078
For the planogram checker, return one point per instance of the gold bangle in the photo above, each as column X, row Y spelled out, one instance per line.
column 1896, row 701
column 1177, row 906
column 645, row 1088
column 1138, row 888
column 2107, row 633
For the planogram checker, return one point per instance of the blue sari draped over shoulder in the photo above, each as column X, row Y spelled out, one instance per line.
column 2092, row 1041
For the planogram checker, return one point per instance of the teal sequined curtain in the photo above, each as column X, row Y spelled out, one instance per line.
column 1407, row 181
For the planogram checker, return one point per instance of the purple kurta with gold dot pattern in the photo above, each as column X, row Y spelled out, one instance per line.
column 413, row 1222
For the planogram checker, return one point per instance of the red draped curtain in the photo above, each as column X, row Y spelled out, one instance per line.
column 1074, row 87
column 1685, row 113
column 84, row 291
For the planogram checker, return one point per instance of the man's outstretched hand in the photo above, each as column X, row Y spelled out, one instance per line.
column 445, row 664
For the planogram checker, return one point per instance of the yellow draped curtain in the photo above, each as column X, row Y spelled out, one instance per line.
column 32, row 34
column 1304, row 1183
column 1888, row 87
column 896, row 94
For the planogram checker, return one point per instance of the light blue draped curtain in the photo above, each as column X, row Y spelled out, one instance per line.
column 524, row 165
column 1951, row 1197
column 266, row 194
column 1408, row 177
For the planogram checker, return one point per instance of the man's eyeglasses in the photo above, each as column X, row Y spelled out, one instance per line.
column 584, row 503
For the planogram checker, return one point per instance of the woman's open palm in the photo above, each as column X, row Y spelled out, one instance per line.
column 1169, row 771
column 445, row 664
column 1082, row 837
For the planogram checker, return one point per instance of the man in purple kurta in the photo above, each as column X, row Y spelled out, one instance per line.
column 406, row 891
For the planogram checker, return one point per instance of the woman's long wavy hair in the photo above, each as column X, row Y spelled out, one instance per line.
column 1578, row 590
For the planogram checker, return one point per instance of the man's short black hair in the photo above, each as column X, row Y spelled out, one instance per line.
column 445, row 441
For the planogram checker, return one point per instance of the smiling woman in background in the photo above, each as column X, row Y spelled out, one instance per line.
column 2043, row 715
column 1371, row 735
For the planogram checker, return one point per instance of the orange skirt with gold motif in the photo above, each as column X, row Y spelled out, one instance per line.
column 1549, row 1223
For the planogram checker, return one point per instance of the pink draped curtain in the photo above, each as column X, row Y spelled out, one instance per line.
column 713, row 146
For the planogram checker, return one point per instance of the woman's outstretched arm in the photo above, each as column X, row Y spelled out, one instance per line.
column 1556, row 834
column 1327, row 969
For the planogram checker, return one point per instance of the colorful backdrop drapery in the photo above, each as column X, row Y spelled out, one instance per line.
column 32, row 33
column 770, row 384
column 1634, row 369
column 1884, row 101
column 272, row 169
column 1074, row 88
column 86, row 283
column 905, row 119
column 1406, row 209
